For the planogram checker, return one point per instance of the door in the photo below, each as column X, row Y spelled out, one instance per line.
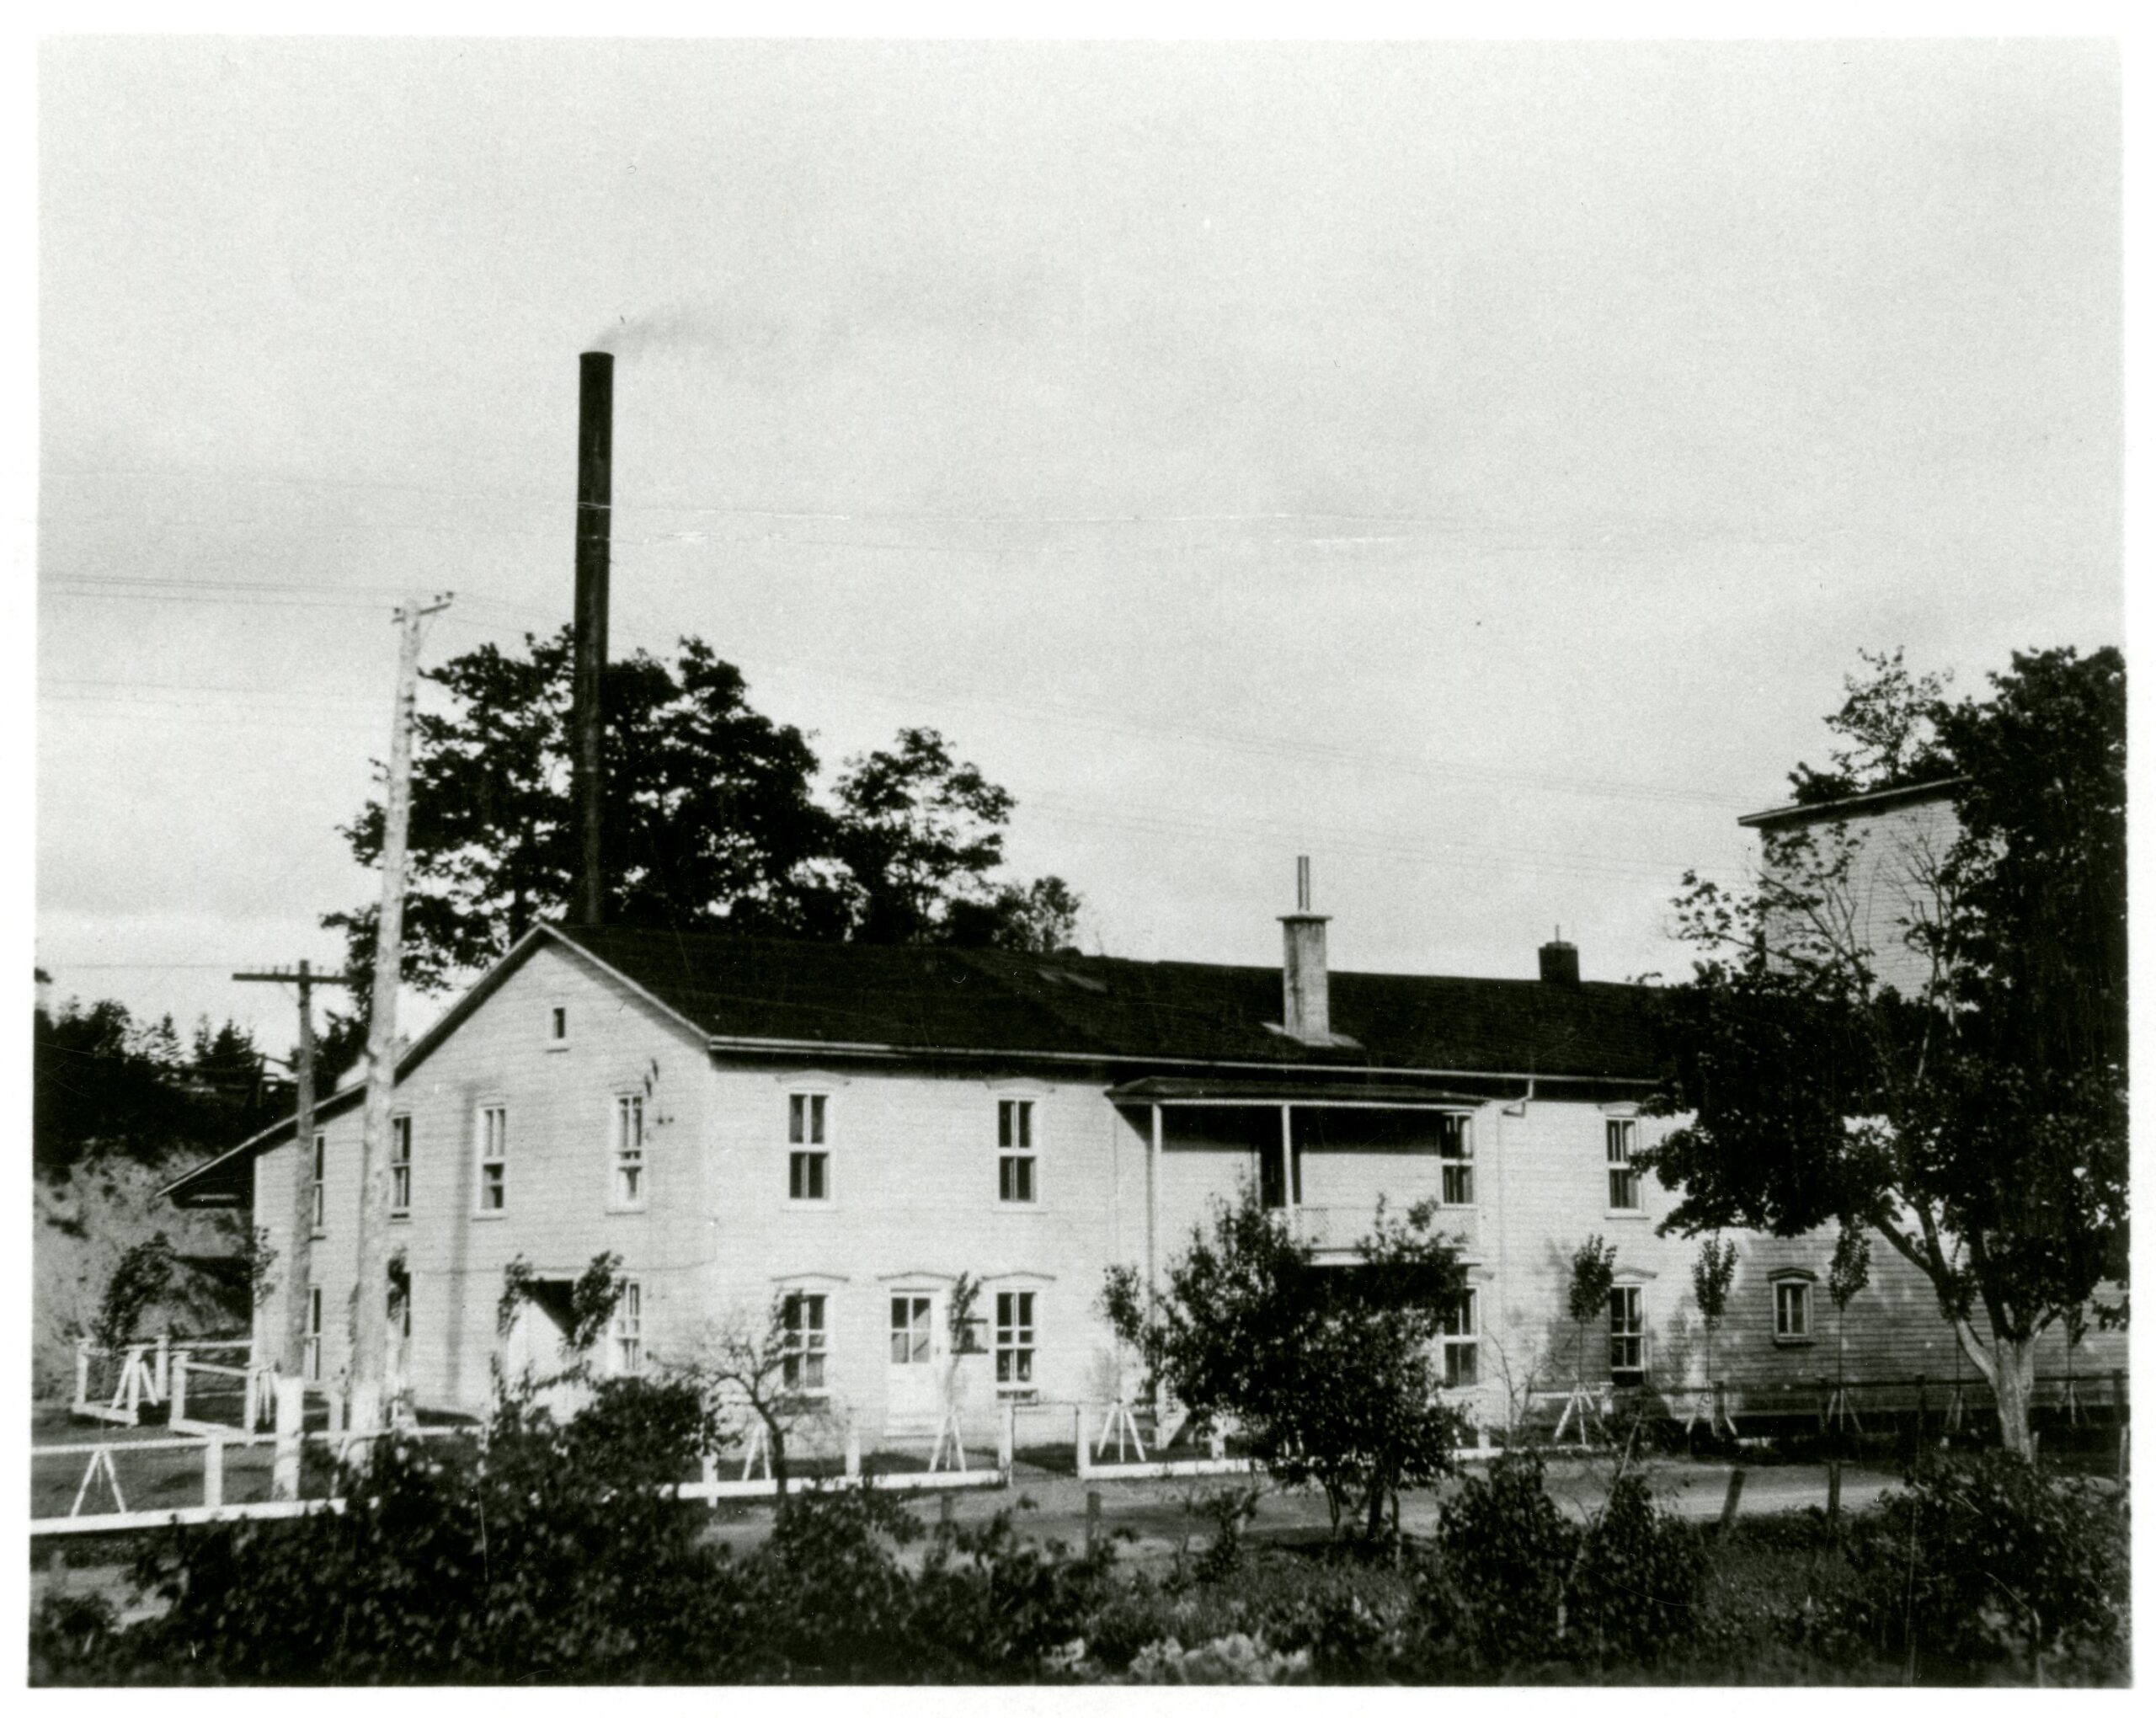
column 913, row 1402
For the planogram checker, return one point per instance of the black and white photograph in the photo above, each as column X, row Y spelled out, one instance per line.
column 1077, row 861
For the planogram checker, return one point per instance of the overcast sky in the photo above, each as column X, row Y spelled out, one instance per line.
column 1476, row 468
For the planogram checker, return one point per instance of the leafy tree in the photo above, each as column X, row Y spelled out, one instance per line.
column 1888, row 730
column 1977, row 1125
column 145, row 1271
column 1328, row 1371
column 1712, row 1273
column 712, row 822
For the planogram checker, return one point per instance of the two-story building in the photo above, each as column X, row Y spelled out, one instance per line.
column 843, row 1130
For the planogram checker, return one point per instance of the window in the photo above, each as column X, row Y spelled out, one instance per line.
column 1014, row 1341
column 910, row 1345
column 1457, row 1336
column 1456, row 1162
column 400, row 1166
column 628, row 1331
column 1622, row 1135
column 808, row 1172
column 558, row 1027
column 493, row 1157
column 802, row 1370
column 321, row 1181
column 1014, row 1155
column 628, row 1148
column 1793, row 1310
column 314, row 1335
column 1628, row 1340
column 400, row 1301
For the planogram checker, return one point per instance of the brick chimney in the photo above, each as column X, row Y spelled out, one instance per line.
column 1306, row 1007
column 1560, row 962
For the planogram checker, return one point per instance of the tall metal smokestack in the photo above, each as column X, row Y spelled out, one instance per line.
column 594, row 503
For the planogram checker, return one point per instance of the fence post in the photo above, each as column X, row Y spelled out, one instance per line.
column 853, row 1452
column 946, row 1509
column 1092, row 1519
column 1006, row 1439
column 164, row 1364
column 710, row 1476
column 83, row 1371
column 291, row 1422
column 1834, row 1492
column 1729, row 1499
column 213, row 1474
column 1085, row 1441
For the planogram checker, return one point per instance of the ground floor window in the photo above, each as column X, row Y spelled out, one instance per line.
column 314, row 1335
column 1014, row 1340
column 910, row 1340
column 628, row 1331
column 1793, row 1310
column 1628, row 1339
column 1462, row 1364
column 802, row 1366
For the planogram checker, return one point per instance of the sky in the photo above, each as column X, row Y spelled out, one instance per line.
column 1475, row 465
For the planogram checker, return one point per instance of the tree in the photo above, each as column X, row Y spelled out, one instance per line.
column 711, row 822
column 1712, row 1273
column 1328, row 1370
column 1975, row 1121
column 766, row 1366
column 1586, row 1296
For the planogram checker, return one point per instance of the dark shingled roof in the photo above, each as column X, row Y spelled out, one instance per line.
column 991, row 1000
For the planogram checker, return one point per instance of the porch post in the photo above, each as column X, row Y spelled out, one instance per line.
column 1290, row 1194
column 1153, row 1211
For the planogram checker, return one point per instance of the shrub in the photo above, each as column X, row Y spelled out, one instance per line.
column 1230, row 1658
column 1635, row 1594
column 1504, row 1550
column 1992, row 1560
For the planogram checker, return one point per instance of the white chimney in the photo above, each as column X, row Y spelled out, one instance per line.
column 1307, row 1008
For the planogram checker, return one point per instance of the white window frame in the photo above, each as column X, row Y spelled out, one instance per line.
column 313, row 1358
column 1456, row 1162
column 808, row 1148
column 628, row 1165
column 1017, row 1342
column 1620, row 1136
column 400, row 1168
column 1629, row 1327
column 1459, row 1336
column 1798, row 1286
column 1018, row 1168
column 920, row 1339
column 626, row 1335
column 490, row 1149
column 320, row 1185
column 806, row 1343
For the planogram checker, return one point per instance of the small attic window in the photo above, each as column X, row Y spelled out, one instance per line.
column 558, row 1027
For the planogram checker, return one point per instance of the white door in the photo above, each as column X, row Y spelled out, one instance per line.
column 912, row 1396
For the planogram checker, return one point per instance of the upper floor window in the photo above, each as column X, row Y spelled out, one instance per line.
column 1456, row 1162
column 1014, row 1153
column 628, row 1331
column 1014, row 1340
column 1792, row 1309
column 628, row 1148
column 1628, row 1333
column 1456, row 1334
column 321, row 1180
column 807, row 1165
column 400, row 1166
column 493, row 1157
column 802, row 1322
column 1620, row 1136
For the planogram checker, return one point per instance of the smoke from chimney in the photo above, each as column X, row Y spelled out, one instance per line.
column 594, row 500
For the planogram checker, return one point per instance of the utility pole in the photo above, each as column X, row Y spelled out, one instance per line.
column 371, row 1290
column 297, row 1264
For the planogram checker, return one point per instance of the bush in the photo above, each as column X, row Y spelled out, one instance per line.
column 1993, row 1561
column 1636, row 1592
column 1504, row 1550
